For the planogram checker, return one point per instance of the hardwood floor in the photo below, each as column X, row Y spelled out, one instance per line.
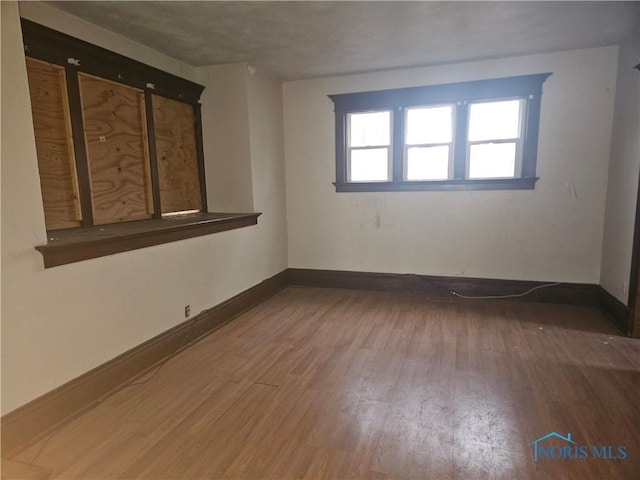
column 330, row 383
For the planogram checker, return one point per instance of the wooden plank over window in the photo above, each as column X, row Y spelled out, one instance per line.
column 54, row 144
column 176, row 150
column 116, row 139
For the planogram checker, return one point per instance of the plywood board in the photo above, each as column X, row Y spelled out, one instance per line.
column 54, row 144
column 116, row 138
column 175, row 135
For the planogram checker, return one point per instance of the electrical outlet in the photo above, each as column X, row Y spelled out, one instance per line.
column 624, row 288
column 187, row 311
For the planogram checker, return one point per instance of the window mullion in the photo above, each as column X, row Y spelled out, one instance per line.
column 397, row 148
column 530, row 140
column 153, row 157
column 197, row 111
column 341, row 139
column 79, row 145
column 460, row 141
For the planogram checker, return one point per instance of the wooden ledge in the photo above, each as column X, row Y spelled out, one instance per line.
column 521, row 183
column 77, row 244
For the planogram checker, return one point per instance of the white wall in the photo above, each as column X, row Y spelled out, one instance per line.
column 543, row 234
column 266, row 131
column 228, row 136
column 60, row 322
column 624, row 170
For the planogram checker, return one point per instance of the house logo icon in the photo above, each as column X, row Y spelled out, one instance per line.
column 567, row 449
column 547, row 436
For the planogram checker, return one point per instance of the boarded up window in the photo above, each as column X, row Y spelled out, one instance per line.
column 54, row 144
column 178, row 176
column 116, row 141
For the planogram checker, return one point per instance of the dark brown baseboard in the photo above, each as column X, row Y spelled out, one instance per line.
column 442, row 287
column 37, row 418
column 615, row 310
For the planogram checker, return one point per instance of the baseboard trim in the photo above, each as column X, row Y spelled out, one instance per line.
column 440, row 287
column 36, row 419
column 615, row 310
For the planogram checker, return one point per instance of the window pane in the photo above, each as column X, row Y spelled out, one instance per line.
column 428, row 163
column 494, row 120
column 370, row 165
column 429, row 125
column 492, row 160
column 369, row 129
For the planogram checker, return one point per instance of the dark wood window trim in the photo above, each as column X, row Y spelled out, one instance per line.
column 447, row 185
column 58, row 48
column 77, row 244
column 80, row 57
column 527, row 87
column 91, row 241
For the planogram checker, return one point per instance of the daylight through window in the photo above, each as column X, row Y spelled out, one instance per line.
column 471, row 135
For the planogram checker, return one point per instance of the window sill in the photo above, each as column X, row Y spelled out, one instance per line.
column 77, row 244
column 447, row 185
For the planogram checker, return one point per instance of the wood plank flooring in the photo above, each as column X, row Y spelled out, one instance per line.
column 329, row 383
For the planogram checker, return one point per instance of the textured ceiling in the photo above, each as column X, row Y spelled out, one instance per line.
column 307, row 39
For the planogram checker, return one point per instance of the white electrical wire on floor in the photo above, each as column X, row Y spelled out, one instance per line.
column 515, row 295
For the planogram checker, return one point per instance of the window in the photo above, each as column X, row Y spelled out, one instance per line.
column 494, row 139
column 119, row 147
column 461, row 136
column 369, row 146
column 428, row 142
column 116, row 140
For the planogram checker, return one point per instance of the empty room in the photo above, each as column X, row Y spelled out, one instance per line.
column 320, row 239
